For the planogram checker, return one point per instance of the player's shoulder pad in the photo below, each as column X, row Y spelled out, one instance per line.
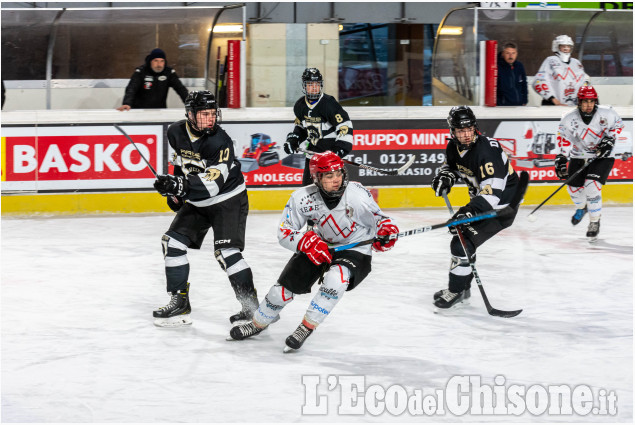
column 176, row 126
column 357, row 187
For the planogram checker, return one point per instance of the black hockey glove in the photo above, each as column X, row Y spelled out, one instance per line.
column 167, row 184
column 292, row 144
column 561, row 166
column 604, row 148
column 175, row 203
column 443, row 182
column 339, row 150
column 463, row 212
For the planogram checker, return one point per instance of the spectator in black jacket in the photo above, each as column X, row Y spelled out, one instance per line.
column 148, row 87
column 511, row 89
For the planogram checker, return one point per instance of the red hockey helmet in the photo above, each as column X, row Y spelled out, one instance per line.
column 326, row 162
column 587, row 93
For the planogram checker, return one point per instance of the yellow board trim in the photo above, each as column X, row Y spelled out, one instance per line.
column 270, row 200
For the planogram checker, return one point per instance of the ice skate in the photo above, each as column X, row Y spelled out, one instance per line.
column 578, row 216
column 176, row 313
column 297, row 338
column 451, row 299
column 442, row 292
column 593, row 231
column 238, row 333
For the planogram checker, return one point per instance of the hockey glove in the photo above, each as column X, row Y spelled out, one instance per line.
column 604, row 148
column 339, row 150
column 167, row 184
column 443, row 182
column 561, row 167
column 292, row 144
column 383, row 242
column 315, row 248
column 175, row 203
column 463, row 212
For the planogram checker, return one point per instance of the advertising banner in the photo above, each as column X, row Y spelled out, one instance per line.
column 79, row 157
column 531, row 146
column 233, row 73
column 98, row 157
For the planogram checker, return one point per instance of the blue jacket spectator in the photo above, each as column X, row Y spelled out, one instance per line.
column 511, row 88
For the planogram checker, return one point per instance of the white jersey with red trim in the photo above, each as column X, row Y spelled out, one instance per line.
column 356, row 217
column 560, row 79
column 579, row 140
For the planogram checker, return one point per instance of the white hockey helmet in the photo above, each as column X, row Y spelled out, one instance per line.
column 560, row 41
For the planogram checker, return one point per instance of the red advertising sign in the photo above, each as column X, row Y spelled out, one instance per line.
column 88, row 157
column 491, row 72
column 233, row 73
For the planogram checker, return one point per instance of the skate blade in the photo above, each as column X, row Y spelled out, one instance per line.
column 456, row 307
column 593, row 239
column 288, row 349
column 173, row 322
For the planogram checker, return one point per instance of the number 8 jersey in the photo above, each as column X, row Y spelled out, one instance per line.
column 486, row 170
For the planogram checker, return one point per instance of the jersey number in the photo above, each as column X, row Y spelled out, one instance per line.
column 489, row 169
column 224, row 155
column 338, row 118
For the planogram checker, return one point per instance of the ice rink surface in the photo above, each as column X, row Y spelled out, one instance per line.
column 79, row 345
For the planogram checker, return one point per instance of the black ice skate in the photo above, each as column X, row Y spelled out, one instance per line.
column 467, row 294
column 578, row 216
column 593, row 230
column 450, row 299
column 297, row 338
column 238, row 333
column 176, row 312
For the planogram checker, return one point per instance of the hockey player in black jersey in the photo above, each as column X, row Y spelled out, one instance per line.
column 481, row 163
column 321, row 124
column 206, row 190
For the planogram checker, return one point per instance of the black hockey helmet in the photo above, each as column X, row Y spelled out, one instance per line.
column 462, row 117
column 311, row 75
column 200, row 101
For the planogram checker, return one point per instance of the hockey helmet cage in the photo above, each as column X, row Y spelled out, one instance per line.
column 311, row 75
column 326, row 162
column 200, row 101
column 588, row 92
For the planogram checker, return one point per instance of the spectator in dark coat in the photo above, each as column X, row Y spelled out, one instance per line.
column 148, row 87
column 511, row 89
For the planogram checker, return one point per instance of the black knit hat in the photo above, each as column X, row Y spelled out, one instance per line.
column 156, row 53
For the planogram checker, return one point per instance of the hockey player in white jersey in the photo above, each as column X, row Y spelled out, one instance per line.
column 589, row 131
column 560, row 76
column 343, row 212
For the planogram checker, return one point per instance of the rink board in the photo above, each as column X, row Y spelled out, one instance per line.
column 270, row 200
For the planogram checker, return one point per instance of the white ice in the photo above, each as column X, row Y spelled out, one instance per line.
column 79, row 345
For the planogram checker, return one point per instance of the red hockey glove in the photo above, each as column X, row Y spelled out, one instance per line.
column 315, row 248
column 383, row 241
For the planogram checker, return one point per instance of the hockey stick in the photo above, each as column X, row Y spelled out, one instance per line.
column 530, row 217
column 424, row 229
column 491, row 310
column 174, row 198
column 137, row 148
column 396, row 172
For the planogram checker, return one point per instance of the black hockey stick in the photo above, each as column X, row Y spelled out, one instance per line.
column 396, row 172
column 424, row 229
column 174, row 198
column 566, row 182
column 520, row 192
column 137, row 148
